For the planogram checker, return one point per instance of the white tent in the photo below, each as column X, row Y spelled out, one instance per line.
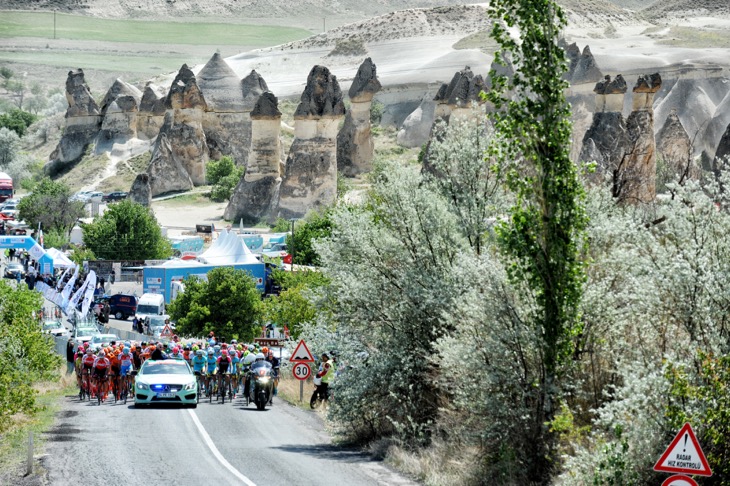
column 60, row 260
column 228, row 249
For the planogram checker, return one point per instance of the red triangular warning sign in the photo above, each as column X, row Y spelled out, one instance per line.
column 301, row 353
column 684, row 455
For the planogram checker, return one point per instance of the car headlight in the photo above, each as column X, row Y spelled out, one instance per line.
column 264, row 379
column 189, row 386
column 142, row 386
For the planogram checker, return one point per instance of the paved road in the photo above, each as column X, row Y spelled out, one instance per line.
column 213, row 444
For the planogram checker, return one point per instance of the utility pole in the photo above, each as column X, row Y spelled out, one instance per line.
column 324, row 24
column 54, row 23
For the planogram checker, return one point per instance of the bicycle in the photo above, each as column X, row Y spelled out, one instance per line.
column 319, row 396
column 201, row 385
column 224, row 385
column 125, row 388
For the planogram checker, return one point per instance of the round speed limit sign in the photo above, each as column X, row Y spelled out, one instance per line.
column 301, row 371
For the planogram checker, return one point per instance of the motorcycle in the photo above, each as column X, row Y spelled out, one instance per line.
column 319, row 396
column 261, row 385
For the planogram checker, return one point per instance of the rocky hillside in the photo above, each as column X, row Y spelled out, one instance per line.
column 581, row 9
column 212, row 8
column 687, row 8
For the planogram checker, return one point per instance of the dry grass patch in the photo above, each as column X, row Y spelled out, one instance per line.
column 436, row 465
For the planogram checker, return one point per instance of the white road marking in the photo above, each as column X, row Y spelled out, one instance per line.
column 216, row 452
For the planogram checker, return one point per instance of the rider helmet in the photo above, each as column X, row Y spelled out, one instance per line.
column 101, row 353
column 126, row 351
column 199, row 352
column 224, row 353
column 217, row 347
column 250, row 347
column 265, row 350
column 210, row 352
column 233, row 341
column 89, row 351
column 260, row 357
column 224, row 346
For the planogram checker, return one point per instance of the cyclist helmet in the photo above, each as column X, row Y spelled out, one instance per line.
column 101, row 354
column 199, row 352
column 89, row 351
column 176, row 350
column 187, row 347
column 217, row 347
column 265, row 350
column 224, row 346
column 224, row 353
column 250, row 347
column 196, row 348
column 234, row 341
column 127, row 344
column 210, row 352
column 126, row 351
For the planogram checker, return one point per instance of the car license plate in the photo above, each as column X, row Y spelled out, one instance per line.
column 166, row 395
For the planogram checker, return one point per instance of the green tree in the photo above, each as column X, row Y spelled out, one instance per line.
column 79, row 255
column 228, row 304
column 223, row 175
column 50, row 205
column 126, row 231
column 17, row 120
column 9, row 144
column 293, row 307
column 544, row 237
column 315, row 226
column 26, row 355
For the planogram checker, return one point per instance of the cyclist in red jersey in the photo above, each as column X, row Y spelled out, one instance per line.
column 101, row 368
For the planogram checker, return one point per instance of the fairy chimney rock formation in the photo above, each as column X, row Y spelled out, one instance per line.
column 311, row 167
column 251, row 88
column 355, row 145
column 639, row 170
column 184, row 92
column 457, row 97
column 184, row 137
column 119, row 110
column 644, row 91
column 83, row 122
column 254, row 197
column 166, row 172
column 674, row 147
column 151, row 113
column 606, row 139
column 586, row 70
column 140, row 191
column 225, row 113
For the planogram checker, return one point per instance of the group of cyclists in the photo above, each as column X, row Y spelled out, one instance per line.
column 219, row 367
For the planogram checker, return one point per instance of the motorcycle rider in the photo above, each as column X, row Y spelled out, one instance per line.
column 274, row 362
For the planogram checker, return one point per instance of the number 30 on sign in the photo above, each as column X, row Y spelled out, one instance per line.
column 301, row 371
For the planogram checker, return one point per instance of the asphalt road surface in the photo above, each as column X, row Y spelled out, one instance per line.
column 213, row 444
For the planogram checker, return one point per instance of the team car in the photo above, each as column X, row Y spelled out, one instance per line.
column 165, row 381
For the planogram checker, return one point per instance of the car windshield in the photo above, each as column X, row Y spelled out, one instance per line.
column 157, row 322
column 51, row 325
column 147, row 309
column 164, row 368
column 101, row 338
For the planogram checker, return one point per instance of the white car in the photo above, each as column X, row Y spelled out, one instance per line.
column 169, row 380
column 54, row 328
column 95, row 197
column 96, row 341
column 81, row 196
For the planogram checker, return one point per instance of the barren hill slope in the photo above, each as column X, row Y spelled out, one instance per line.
column 673, row 8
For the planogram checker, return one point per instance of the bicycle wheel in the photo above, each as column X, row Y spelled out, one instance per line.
column 210, row 392
column 222, row 389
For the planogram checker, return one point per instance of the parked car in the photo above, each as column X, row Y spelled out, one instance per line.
column 13, row 269
column 81, row 196
column 114, row 196
column 10, row 213
column 122, row 306
column 54, row 327
column 154, row 325
column 96, row 197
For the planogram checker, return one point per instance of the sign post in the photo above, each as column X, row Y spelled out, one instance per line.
column 300, row 357
column 683, row 456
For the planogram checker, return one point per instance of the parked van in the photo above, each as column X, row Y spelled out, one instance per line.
column 150, row 305
column 122, row 306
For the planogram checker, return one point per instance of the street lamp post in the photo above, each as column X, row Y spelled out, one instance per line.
column 292, row 243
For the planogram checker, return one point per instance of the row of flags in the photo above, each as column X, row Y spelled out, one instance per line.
column 64, row 299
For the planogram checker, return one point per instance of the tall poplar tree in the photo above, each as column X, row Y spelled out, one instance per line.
column 545, row 234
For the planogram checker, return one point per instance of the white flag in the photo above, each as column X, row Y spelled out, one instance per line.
column 60, row 280
column 74, row 301
column 89, row 294
column 66, row 292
